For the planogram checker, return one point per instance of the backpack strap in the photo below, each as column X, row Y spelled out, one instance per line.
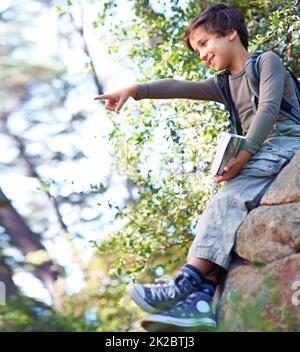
column 296, row 83
column 253, row 75
column 221, row 81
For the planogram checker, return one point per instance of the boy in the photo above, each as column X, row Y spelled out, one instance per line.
column 220, row 38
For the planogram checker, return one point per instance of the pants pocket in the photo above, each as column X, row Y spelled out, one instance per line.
column 266, row 164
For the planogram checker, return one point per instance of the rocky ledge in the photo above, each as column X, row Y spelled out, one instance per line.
column 264, row 295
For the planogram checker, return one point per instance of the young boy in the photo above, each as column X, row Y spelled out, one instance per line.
column 220, row 38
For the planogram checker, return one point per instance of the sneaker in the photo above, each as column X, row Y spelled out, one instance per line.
column 194, row 311
column 165, row 292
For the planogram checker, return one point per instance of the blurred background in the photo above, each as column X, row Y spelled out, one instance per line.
column 89, row 199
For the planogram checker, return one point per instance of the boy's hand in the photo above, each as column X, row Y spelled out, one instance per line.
column 232, row 169
column 234, row 166
column 116, row 100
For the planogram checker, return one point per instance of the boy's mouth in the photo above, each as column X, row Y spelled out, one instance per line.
column 210, row 61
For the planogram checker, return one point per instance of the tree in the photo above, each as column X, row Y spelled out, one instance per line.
column 34, row 95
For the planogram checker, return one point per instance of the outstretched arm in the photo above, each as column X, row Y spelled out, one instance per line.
column 173, row 88
column 167, row 88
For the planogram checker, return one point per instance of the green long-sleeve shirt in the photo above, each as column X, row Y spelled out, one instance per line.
column 275, row 81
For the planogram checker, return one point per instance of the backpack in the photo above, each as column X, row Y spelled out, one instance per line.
column 221, row 81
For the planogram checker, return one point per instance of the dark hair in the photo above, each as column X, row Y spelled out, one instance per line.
column 219, row 19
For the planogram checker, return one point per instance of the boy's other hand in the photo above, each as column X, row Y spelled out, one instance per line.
column 117, row 99
column 232, row 169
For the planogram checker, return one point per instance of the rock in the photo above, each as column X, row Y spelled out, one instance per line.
column 265, row 295
column 261, row 298
column 286, row 187
column 269, row 233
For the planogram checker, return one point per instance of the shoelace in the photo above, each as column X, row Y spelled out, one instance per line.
column 166, row 290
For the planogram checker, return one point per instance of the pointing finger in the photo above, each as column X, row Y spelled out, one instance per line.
column 120, row 104
column 103, row 96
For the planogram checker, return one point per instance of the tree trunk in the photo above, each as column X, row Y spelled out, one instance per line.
column 7, row 286
column 29, row 243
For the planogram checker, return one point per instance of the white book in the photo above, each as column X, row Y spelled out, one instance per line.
column 229, row 144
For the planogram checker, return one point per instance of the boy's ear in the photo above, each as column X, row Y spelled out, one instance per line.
column 232, row 33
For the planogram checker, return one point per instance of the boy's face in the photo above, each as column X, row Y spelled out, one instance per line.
column 215, row 52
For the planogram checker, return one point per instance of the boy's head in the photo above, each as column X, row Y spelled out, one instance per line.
column 217, row 34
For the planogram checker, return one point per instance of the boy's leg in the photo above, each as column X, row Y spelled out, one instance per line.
column 211, row 249
column 223, row 215
column 215, row 275
column 212, row 245
column 218, row 225
column 203, row 265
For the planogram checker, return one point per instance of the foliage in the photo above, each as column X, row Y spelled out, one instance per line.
column 23, row 314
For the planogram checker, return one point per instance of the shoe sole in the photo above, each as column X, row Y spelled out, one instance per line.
column 164, row 327
column 158, row 322
column 133, row 293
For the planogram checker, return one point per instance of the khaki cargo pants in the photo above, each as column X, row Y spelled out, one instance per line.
column 217, row 226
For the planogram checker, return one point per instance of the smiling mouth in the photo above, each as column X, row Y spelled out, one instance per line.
column 211, row 61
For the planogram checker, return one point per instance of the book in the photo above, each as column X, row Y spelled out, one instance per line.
column 229, row 144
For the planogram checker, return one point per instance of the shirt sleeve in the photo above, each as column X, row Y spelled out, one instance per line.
column 271, row 89
column 173, row 88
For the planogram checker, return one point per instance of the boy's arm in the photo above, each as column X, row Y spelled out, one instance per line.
column 173, row 88
column 271, row 88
